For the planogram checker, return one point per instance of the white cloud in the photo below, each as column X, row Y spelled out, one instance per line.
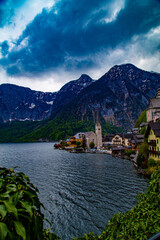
column 23, row 16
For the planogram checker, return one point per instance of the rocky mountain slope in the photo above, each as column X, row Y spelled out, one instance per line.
column 20, row 103
column 69, row 92
column 121, row 95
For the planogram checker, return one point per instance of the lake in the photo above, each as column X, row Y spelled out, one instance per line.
column 81, row 192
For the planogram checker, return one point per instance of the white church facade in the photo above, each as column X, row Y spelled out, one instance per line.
column 96, row 137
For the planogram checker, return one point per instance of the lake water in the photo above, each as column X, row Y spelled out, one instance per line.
column 81, row 192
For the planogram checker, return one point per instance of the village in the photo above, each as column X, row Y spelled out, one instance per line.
column 125, row 145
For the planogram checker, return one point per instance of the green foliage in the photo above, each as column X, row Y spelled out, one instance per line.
column 140, row 159
column 129, row 152
column 78, row 144
column 143, row 150
column 91, row 145
column 142, row 118
column 141, row 222
column 110, row 128
column 89, row 236
column 151, row 163
column 20, row 213
column 143, row 130
column 84, row 142
column 13, row 131
column 62, row 127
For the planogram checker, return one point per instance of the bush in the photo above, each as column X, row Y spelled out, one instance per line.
column 20, row 213
column 139, row 159
column 91, row 145
column 151, row 163
column 129, row 152
column 143, row 150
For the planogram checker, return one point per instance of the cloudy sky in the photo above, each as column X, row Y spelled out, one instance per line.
column 44, row 44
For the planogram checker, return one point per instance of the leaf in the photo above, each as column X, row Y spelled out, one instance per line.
column 10, row 207
column 20, row 230
column 11, row 187
column 28, row 207
column 1, row 182
column 4, row 195
column 3, row 231
column 3, row 210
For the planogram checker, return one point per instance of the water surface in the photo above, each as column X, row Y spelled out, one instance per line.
column 81, row 192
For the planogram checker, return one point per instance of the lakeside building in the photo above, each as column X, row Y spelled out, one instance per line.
column 107, row 140
column 153, row 109
column 96, row 137
column 90, row 137
column 117, row 139
column 137, row 140
column 153, row 135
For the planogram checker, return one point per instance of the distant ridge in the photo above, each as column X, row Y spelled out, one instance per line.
column 122, row 94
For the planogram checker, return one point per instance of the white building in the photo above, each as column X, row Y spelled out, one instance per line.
column 98, row 130
column 153, row 109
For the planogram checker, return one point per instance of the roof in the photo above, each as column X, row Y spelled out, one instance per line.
column 155, row 126
column 154, row 103
column 119, row 134
column 108, row 137
column 143, row 124
column 87, row 134
column 138, row 138
column 128, row 135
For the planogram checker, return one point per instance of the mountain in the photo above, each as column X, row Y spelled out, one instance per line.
column 121, row 95
column 70, row 91
column 20, row 103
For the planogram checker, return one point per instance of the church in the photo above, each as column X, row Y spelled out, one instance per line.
column 153, row 109
column 96, row 137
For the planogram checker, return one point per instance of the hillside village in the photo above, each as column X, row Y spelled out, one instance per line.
column 122, row 143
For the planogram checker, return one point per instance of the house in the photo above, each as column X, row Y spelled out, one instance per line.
column 107, row 139
column 117, row 139
column 153, row 109
column 127, row 138
column 72, row 142
column 153, row 135
column 90, row 137
column 135, row 130
column 137, row 140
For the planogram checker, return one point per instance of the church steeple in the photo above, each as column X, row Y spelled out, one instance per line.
column 98, row 129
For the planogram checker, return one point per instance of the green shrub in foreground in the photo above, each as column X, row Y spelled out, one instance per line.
column 20, row 214
column 151, row 163
column 141, row 222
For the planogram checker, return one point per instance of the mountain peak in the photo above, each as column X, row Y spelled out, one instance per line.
column 85, row 77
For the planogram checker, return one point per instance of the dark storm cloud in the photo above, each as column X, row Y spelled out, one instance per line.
column 7, row 10
column 4, row 48
column 73, row 32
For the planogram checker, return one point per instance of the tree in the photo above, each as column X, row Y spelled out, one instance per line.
column 78, row 144
column 84, row 142
column 91, row 145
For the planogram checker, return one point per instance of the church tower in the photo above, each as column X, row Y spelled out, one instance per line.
column 98, row 129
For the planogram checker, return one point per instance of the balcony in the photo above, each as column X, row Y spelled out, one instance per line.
column 152, row 143
column 154, row 152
